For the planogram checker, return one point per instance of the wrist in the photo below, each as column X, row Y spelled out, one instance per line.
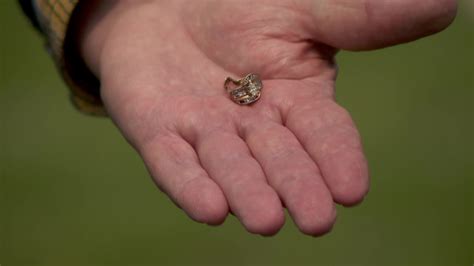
column 90, row 27
column 94, row 23
column 98, row 21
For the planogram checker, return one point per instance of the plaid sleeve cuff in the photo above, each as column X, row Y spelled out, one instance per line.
column 55, row 17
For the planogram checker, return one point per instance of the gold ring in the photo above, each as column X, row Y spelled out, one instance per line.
column 246, row 90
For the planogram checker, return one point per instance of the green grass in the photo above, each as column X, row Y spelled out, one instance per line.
column 73, row 192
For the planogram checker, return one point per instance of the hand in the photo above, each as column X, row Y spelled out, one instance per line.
column 162, row 65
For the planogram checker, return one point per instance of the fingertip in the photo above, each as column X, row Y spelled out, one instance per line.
column 310, row 204
column 346, row 174
column 350, row 197
column 266, row 216
column 268, row 225
column 321, row 225
column 204, row 202
column 350, row 190
column 214, row 212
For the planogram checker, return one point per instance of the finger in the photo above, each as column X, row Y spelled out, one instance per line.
column 175, row 168
column 294, row 175
column 328, row 134
column 371, row 24
column 228, row 161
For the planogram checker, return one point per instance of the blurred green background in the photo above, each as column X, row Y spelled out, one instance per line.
column 73, row 192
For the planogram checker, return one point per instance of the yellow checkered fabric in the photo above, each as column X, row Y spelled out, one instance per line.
column 54, row 17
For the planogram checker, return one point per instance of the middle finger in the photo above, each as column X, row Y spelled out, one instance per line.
column 229, row 162
column 293, row 174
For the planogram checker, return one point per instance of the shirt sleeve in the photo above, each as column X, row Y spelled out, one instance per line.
column 55, row 19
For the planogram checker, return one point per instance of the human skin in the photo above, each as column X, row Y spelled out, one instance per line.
column 162, row 65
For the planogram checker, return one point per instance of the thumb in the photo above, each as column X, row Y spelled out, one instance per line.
column 373, row 24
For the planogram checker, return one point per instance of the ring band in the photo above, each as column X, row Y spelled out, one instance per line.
column 246, row 90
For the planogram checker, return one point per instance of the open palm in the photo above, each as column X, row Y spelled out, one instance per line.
column 162, row 66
